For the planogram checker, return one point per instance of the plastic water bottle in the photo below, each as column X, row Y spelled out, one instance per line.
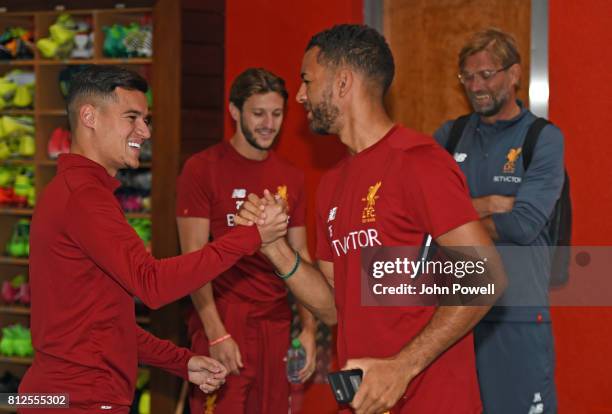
column 296, row 360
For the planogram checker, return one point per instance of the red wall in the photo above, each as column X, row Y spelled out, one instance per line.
column 273, row 34
column 580, row 104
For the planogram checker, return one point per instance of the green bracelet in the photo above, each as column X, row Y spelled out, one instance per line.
column 298, row 259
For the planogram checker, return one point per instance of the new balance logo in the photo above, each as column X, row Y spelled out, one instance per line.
column 332, row 214
column 537, row 407
column 460, row 156
column 239, row 193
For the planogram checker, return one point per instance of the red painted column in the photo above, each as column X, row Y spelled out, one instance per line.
column 273, row 34
column 580, row 101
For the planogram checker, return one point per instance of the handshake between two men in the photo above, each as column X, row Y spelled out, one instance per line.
column 208, row 373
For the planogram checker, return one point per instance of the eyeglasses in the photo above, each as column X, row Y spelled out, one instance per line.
column 485, row 75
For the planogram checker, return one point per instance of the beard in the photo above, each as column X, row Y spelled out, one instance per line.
column 324, row 115
column 250, row 137
column 495, row 104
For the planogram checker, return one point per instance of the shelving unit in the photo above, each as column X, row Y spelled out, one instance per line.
column 187, row 78
column 49, row 112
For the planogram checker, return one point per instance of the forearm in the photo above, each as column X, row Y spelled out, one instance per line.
column 450, row 323
column 307, row 319
column 204, row 303
column 492, row 204
column 446, row 327
column 166, row 280
column 307, row 283
column 489, row 226
column 162, row 353
column 100, row 230
column 521, row 225
column 296, row 237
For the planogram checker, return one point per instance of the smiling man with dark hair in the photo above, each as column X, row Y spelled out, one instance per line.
column 395, row 187
column 87, row 263
column 246, row 323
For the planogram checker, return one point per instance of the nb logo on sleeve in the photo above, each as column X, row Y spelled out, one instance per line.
column 460, row 156
column 239, row 193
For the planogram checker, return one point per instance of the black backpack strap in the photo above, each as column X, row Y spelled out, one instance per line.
column 456, row 132
column 533, row 133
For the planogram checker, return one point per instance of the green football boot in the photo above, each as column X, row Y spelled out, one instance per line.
column 27, row 146
column 7, row 341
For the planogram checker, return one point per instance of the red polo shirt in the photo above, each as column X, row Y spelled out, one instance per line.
column 86, row 264
column 392, row 194
column 213, row 185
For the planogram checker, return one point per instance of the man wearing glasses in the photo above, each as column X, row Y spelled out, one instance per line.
column 514, row 344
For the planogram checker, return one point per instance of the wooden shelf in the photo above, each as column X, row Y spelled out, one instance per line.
column 16, row 360
column 14, row 261
column 17, row 112
column 101, row 61
column 54, row 112
column 131, row 10
column 9, row 211
column 17, row 161
column 16, row 14
column 15, row 309
column 71, row 62
column 48, row 163
column 138, row 215
column 7, row 409
column 116, row 10
column 17, row 62
column 125, row 61
column 67, row 62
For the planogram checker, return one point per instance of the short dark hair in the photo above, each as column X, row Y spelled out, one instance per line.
column 255, row 81
column 358, row 46
column 100, row 82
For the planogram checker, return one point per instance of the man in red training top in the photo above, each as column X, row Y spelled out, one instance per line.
column 395, row 187
column 246, row 325
column 87, row 263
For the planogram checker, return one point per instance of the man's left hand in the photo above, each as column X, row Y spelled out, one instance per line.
column 308, row 339
column 207, row 373
column 384, row 382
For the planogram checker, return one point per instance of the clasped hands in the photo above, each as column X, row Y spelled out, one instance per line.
column 268, row 213
column 206, row 373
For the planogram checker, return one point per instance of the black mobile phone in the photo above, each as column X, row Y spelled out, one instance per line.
column 344, row 384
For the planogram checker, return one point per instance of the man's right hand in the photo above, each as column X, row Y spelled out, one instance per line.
column 228, row 353
column 206, row 373
column 268, row 213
